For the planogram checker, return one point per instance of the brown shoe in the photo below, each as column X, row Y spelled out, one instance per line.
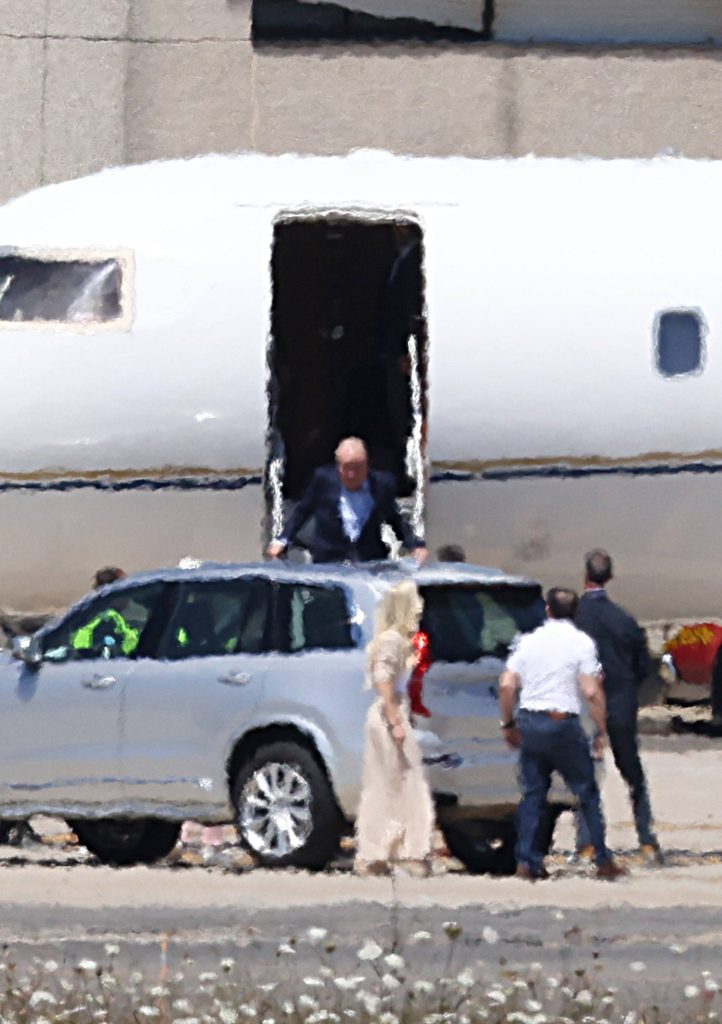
column 529, row 875
column 610, row 870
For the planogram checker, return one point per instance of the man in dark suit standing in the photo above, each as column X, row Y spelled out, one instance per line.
column 625, row 661
column 350, row 502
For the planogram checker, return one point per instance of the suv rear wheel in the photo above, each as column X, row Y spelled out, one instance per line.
column 483, row 846
column 286, row 811
column 123, row 841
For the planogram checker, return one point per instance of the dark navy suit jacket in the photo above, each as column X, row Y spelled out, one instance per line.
column 330, row 543
column 623, row 653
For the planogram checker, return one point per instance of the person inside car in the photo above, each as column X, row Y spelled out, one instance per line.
column 108, row 633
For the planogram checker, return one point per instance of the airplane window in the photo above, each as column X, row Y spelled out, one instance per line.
column 679, row 343
column 65, row 291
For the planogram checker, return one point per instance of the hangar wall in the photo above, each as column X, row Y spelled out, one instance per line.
column 91, row 83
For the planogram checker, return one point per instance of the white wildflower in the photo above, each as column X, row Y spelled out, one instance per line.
column 371, row 1003
column 307, row 1001
column 246, row 1010
column 87, row 965
column 111, row 949
column 388, row 1018
column 638, row 966
column 553, row 982
column 148, row 1011
column 316, row 935
column 268, row 1020
column 691, row 991
column 41, row 996
column 521, row 985
column 490, row 935
column 50, row 966
column 390, row 982
column 584, row 997
column 228, row 1015
column 326, row 972
column 710, row 985
column 187, row 1020
column 159, row 990
column 466, row 978
column 207, row 976
column 533, row 1006
column 369, row 951
column 558, row 915
column 287, row 1007
column 453, row 929
column 108, row 981
column 395, row 962
column 182, row 1005
column 425, row 987
column 285, row 949
column 347, row 984
column 630, row 1018
column 677, row 948
column 227, row 963
column 495, row 996
column 421, row 936
column 268, row 986
column 314, row 982
column 66, row 986
column 607, row 1000
column 136, row 978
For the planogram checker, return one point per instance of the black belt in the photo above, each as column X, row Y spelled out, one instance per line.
column 558, row 716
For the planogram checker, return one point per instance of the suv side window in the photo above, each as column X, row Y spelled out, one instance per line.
column 217, row 617
column 310, row 617
column 114, row 626
column 466, row 623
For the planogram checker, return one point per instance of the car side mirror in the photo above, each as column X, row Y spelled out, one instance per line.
column 26, row 649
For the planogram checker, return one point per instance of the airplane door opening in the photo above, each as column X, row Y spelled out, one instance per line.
column 347, row 354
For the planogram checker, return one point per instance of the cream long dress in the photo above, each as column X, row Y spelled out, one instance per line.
column 396, row 815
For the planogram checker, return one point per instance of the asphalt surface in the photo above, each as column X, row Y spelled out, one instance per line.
column 649, row 934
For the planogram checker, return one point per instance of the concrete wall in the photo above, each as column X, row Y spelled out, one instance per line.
column 87, row 83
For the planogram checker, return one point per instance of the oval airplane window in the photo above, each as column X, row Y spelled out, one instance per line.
column 679, row 342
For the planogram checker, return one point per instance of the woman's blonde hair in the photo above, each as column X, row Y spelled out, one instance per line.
column 398, row 611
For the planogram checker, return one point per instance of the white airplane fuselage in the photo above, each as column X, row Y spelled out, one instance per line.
column 550, row 426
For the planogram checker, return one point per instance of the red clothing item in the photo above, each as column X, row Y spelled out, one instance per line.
column 415, row 685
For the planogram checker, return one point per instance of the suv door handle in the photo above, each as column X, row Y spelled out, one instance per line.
column 236, row 678
column 99, row 682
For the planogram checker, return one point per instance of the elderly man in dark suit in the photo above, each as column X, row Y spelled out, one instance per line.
column 350, row 502
column 625, row 660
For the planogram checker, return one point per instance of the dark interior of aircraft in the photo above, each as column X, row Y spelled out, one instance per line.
column 346, row 296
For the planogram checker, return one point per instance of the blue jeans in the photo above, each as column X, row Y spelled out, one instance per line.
column 549, row 745
column 624, row 742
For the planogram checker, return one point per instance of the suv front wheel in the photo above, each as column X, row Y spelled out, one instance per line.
column 286, row 812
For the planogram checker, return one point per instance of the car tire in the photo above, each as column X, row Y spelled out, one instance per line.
column 483, row 846
column 286, row 813
column 6, row 829
column 124, row 841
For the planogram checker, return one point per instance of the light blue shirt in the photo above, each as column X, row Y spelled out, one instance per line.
column 355, row 508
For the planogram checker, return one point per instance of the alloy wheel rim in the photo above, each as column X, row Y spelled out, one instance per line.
column 275, row 810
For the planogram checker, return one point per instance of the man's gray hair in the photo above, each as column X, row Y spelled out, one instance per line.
column 356, row 442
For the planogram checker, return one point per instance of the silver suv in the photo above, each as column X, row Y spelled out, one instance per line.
column 235, row 693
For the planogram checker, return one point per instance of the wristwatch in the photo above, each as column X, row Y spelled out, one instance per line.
column 511, row 724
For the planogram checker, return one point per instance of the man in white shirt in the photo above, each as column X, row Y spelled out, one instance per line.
column 550, row 670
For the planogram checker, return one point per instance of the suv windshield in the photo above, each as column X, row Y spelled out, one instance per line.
column 468, row 622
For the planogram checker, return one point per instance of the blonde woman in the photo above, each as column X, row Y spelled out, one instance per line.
column 396, row 816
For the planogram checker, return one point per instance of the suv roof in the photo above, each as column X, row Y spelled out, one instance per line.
column 447, row 572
